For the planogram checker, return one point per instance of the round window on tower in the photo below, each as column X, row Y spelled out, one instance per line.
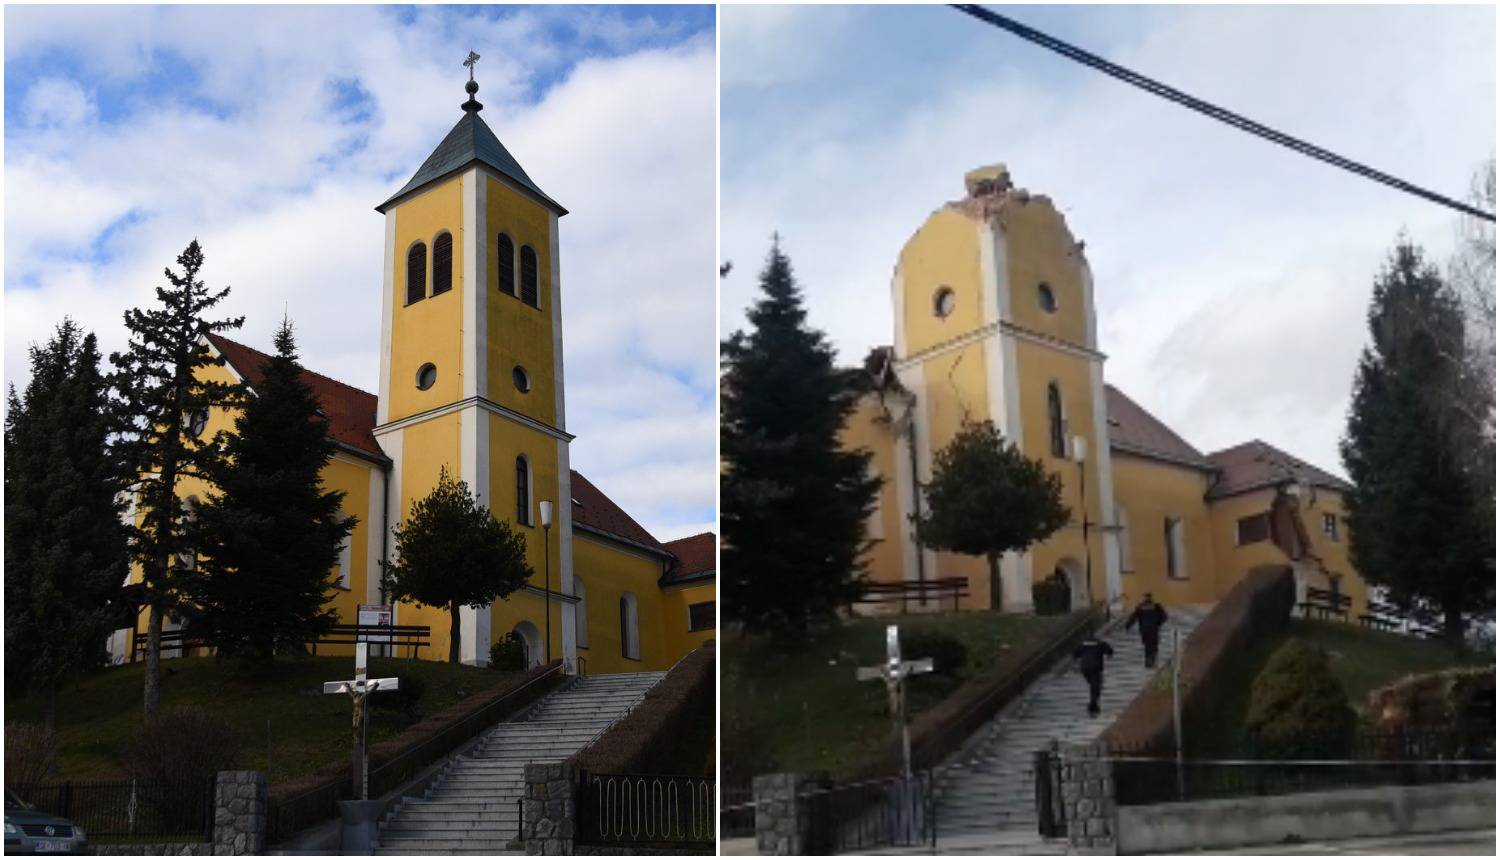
column 943, row 301
column 1045, row 297
column 519, row 377
column 426, row 376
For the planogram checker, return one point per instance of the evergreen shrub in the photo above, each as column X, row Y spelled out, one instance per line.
column 508, row 654
column 1050, row 597
column 1298, row 708
column 949, row 655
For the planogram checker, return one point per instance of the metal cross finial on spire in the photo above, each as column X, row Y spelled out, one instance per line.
column 472, row 105
column 472, row 59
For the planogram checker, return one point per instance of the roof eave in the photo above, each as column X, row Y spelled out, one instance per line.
column 408, row 193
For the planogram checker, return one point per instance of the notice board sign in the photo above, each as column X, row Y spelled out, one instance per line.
column 375, row 614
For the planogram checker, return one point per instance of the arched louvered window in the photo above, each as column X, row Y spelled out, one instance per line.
column 529, row 292
column 442, row 263
column 506, row 257
column 1055, row 421
column 416, row 273
column 523, row 492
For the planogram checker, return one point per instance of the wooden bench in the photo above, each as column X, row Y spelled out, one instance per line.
column 1326, row 604
column 412, row 637
column 953, row 588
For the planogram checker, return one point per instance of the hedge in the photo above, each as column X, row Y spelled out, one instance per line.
column 1212, row 658
column 651, row 731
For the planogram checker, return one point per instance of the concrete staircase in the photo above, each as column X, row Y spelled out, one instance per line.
column 986, row 793
column 472, row 807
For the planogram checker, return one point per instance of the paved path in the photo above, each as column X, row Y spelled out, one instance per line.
column 1463, row 843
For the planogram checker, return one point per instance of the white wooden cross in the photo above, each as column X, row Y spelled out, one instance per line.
column 894, row 672
column 358, row 689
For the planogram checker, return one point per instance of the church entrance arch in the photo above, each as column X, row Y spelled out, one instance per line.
column 532, row 639
column 1070, row 572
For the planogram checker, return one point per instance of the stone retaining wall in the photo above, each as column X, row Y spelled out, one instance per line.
column 1086, row 787
column 549, row 818
column 155, row 849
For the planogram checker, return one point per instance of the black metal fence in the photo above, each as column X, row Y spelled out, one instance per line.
column 131, row 810
column 632, row 809
column 286, row 817
column 736, row 812
column 1361, row 759
column 883, row 813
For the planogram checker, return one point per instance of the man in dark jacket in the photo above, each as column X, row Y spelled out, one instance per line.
column 1150, row 616
column 1090, row 655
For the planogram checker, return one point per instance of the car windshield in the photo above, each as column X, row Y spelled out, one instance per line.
column 14, row 802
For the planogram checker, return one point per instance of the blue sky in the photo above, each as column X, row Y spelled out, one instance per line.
column 270, row 133
column 1231, row 276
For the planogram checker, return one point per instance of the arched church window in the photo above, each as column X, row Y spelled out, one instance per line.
column 943, row 301
column 416, row 273
column 442, row 263
column 505, row 256
column 523, row 492
column 1055, row 427
column 1045, row 297
column 529, row 290
column 197, row 421
column 630, row 633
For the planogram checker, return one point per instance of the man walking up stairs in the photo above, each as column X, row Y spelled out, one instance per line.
column 473, row 807
column 987, row 792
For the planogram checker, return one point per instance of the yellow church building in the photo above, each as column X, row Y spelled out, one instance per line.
column 993, row 304
column 471, row 380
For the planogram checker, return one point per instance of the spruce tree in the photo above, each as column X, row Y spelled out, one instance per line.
column 65, row 545
column 452, row 552
column 269, row 540
column 1412, row 527
column 986, row 498
column 794, row 502
column 163, row 395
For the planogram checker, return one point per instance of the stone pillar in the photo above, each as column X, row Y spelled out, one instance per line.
column 782, row 826
column 240, row 812
column 1087, row 789
column 549, row 814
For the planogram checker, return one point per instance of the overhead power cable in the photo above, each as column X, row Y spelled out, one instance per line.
column 1226, row 116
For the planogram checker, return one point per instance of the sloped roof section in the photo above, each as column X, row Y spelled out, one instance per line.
column 595, row 511
column 471, row 140
column 696, row 558
column 1136, row 431
column 1255, row 465
column 350, row 411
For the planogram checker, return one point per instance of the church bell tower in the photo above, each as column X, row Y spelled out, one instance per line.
column 471, row 369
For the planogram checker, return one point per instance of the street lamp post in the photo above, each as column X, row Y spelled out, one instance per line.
column 1080, row 456
column 547, row 571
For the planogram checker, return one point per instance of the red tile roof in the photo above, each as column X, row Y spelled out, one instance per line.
column 1256, row 464
column 696, row 555
column 1136, row 431
column 594, row 510
column 350, row 411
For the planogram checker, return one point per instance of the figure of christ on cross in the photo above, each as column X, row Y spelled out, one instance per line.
column 894, row 672
column 358, row 689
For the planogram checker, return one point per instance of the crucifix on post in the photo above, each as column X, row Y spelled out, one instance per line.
column 894, row 672
column 358, row 689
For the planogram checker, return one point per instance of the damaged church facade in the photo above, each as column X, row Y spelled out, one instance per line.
column 993, row 304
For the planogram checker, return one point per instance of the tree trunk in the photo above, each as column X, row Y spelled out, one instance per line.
column 453, row 634
column 153, row 662
column 996, row 598
column 1453, row 628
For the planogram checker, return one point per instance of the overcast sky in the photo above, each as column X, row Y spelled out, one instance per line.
column 1231, row 276
column 270, row 133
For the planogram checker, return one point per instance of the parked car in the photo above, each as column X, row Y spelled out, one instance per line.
column 28, row 830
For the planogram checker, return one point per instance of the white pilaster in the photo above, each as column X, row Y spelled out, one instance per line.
column 554, row 298
column 387, row 309
column 474, row 468
column 393, row 443
column 474, row 286
column 374, row 535
column 564, row 515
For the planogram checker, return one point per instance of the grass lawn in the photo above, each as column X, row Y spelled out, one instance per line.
column 286, row 726
column 1363, row 660
column 802, row 708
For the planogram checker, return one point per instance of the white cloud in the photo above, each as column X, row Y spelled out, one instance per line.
column 248, row 152
column 1231, row 275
